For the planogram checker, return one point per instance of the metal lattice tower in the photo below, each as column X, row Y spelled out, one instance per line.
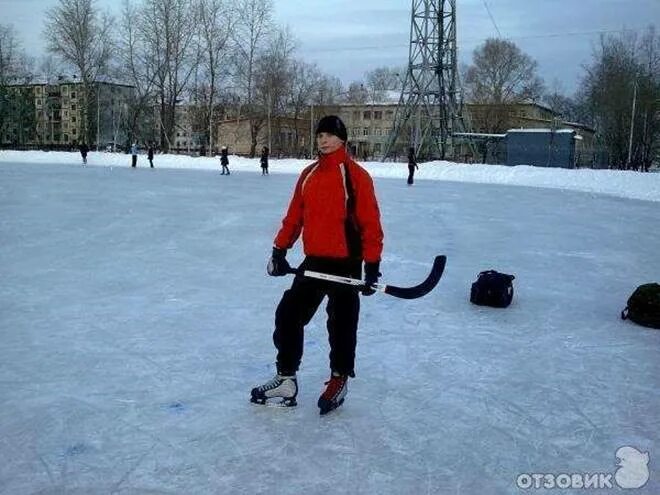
column 429, row 111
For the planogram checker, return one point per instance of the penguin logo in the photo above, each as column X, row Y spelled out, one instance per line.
column 633, row 469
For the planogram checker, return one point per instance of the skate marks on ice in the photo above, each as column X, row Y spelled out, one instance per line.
column 448, row 398
column 352, row 446
column 79, row 443
column 69, row 437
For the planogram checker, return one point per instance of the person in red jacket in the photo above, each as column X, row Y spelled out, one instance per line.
column 335, row 208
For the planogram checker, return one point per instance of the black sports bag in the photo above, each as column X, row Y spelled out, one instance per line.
column 492, row 289
column 644, row 306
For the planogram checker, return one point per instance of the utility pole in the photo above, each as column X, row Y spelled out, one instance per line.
column 632, row 123
column 98, row 114
column 269, row 127
column 211, row 130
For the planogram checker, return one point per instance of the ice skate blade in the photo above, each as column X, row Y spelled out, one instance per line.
column 327, row 406
column 277, row 402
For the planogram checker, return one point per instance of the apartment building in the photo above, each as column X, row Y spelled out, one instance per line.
column 45, row 114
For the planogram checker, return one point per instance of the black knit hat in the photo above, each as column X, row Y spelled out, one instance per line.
column 332, row 125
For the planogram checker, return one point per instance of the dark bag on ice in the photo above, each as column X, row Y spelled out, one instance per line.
column 644, row 306
column 492, row 289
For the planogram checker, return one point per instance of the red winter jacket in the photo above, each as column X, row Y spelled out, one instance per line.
column 318, row 209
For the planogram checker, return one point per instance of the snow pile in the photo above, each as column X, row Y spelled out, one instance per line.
column 624, row 184
column 621, row 183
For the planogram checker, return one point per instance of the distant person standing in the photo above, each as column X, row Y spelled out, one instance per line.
column 264, row 161
column 150, row 154
column 84, row 149
column 134, row 154
column 412, row 165
column 224, row 161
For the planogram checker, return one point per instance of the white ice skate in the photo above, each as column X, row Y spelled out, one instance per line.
column 279, row 391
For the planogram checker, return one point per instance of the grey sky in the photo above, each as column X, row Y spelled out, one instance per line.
column 348, row 37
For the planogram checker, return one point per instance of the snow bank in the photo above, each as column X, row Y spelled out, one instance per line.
column 624, row 184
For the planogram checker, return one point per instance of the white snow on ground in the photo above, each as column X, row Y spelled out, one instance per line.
column 624, row 184
column 136, row 315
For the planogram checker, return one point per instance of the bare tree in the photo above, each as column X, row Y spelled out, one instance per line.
column 50, row 68
column 357, row 93
column 139, row 66
column 648, row 122
column 328, row 90
column 375, row 86
column 306, row 85
column 384, row 79
column 560, row 103
column 16, row 104
column 81, row 36
column 501, row 73
column 621, row 90
column 217, row 18
column 13, row 60
column 169, row 30
column 273, row 82
column 254, row 23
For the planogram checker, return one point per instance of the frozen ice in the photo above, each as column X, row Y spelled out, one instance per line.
column 136, row 315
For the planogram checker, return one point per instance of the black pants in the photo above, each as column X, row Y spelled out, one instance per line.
column 411, row 175
column 300, row 302
column 133, row 161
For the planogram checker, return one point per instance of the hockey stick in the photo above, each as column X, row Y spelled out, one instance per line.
column 414, row 292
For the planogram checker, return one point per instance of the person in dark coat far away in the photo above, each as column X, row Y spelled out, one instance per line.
column 150, row 154
column 412, row 165
column 224, row 161
column 84, row 149
column 134, row 155
column 264, row 161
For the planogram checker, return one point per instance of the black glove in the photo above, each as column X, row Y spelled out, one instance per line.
column 278, row 266
column 371, row 274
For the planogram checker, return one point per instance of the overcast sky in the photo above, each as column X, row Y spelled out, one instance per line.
column 348, row 37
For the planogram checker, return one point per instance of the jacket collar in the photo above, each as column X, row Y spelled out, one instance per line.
column 334, row 159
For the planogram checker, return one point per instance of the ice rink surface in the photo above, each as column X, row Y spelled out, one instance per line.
column 136, row 315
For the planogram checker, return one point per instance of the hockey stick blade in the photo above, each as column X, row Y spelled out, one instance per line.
column 415, row 292
column 425, row 287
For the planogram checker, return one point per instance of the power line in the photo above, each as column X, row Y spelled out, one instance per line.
column 492, row 18
column 570, row 33
column 521, row 37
